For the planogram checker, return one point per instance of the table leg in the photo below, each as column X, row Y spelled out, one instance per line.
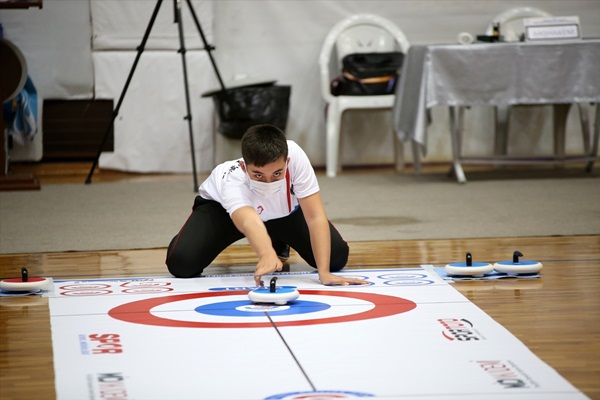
column 594, row 150
column 586, row 132
column 416, row 156
column 560, row 111
column 456, row 122
column 501, row 118
column 398, row 153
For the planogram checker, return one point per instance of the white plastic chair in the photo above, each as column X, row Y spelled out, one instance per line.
column 511, row 29
column 362, row 33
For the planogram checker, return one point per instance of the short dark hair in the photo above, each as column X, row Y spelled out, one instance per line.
column 263, row 144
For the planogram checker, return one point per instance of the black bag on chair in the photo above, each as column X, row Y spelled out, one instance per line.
column 368, row 74
column 240, row 108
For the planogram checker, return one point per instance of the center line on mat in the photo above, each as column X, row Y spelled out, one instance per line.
column 291, row 352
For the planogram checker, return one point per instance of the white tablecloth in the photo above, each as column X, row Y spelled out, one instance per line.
column 493, row 74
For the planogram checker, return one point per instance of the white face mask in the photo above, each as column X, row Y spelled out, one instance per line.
column 266, row 188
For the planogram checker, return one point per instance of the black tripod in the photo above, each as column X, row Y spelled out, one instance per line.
column 182, row 50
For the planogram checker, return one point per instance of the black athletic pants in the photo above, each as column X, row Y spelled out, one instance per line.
column 209, row 230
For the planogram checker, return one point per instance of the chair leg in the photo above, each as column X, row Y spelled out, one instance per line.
column 333, row 139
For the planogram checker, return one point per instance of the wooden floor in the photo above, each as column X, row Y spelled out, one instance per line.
column 557, row 316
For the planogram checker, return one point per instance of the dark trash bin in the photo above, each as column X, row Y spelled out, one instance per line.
column 241, row 107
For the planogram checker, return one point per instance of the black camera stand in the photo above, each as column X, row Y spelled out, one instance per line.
column 178, row 20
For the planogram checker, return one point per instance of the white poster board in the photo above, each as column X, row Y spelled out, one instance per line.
column 552, row 28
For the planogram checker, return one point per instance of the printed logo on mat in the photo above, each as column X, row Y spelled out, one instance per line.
column 96, row 343
column 461, row 330
column 110, row 385
column 506, row 374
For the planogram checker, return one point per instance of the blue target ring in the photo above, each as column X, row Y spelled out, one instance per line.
column 520, row 262
column 245, row 308
column 473, row 264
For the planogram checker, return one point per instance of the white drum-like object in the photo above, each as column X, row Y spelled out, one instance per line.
column 18, row 285
column 469, row 268
column 280, row 296
column 516, row 266
column 475, row 269
column 24, row 283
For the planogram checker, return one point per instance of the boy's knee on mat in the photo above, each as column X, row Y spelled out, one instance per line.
column 181, row 266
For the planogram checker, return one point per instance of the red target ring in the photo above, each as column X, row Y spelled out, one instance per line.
column 138, row 312
column 20, row 280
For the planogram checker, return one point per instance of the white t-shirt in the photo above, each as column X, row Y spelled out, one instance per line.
column 229, row 185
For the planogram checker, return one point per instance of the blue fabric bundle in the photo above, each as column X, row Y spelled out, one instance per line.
column 21, row 112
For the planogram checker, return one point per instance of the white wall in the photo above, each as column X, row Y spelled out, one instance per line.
column 282, row 40
column 277, row 40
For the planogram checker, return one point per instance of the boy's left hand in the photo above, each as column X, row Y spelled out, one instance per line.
column 335, row 280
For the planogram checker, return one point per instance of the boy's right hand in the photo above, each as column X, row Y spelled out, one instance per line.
column 266, row 265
